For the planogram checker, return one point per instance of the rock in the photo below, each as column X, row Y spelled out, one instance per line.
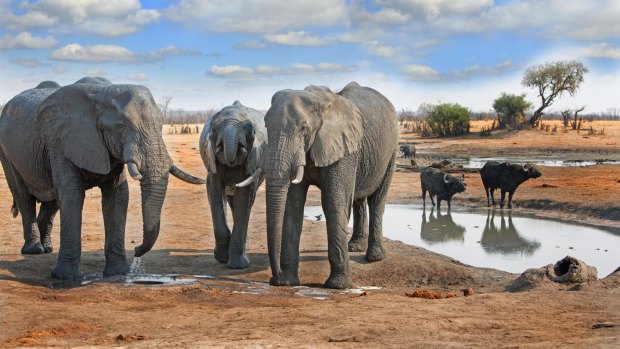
column 468, row 292
column 570, row 270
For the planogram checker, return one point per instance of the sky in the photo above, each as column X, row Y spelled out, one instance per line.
column 207, row 54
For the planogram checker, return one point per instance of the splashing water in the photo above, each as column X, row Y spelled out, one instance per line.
column 136, row 267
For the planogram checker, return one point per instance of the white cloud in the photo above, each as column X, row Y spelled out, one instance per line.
column 298, row 38
column 109, row 18
column 421, row 72
column 601, row 50
column 27, row 41
column 25, row 62
column 114, row 54
column 259, row 16
column 94, row 72
column 236, row 71
column 425, row 73
column 93, row 54
column 138, row 77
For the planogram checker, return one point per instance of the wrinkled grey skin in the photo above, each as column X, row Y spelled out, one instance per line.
column 440, row 184
column 408, row 151
column 507, row 177
column 231, row 145
column 345, row 144
column 56, row 142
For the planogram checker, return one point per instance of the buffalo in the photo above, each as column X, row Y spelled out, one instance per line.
column 441, row 185
column 507, row 177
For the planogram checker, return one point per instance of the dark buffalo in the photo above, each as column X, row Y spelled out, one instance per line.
column 507, row 177
column 408, row 151
column 441, row 185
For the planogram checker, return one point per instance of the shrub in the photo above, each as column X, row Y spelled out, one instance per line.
column 448, row 120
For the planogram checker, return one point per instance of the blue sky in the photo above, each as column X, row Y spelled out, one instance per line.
column 206, row 54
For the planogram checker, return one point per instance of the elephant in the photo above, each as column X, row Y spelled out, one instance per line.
column 408, row 151
column 344, row 143
column 57, row 142
column 232, row 143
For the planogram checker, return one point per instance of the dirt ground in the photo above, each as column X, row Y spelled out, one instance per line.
column 235, row 308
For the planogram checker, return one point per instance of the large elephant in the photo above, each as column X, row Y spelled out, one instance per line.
column 231, row 145
column 56, row 142
column 344, row 143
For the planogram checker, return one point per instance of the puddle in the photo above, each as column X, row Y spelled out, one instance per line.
column 479, row 162
column 499, row 239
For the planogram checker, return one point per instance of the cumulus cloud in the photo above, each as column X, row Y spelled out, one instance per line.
column 27, row 41
column 425, row 73
column 601, row 50
column 110, row 18
column 298, row 38
column 115, row 54
column 138, row 77
column 236, row 71
column 259, row 16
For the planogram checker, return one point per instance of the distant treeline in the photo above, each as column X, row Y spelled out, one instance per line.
column 610, row 114
column 184, row 117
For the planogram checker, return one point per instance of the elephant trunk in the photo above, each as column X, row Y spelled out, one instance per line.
column 276, row 192
column 153, row 194
column 230, row 143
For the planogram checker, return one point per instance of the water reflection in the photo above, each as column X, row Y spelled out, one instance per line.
column 505, row 239
column 440, row 228
column 479, row 162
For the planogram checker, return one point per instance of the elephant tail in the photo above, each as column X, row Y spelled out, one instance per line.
column 14, row 209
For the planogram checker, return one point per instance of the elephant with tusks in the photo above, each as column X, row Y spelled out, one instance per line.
column 231, row 145
column 57, row 142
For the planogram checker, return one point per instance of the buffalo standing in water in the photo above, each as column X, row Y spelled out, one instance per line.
column 507, row 177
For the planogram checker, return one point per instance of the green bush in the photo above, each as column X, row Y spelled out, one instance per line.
column 448, row 120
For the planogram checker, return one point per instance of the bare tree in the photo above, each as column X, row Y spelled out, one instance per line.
column 552, row 79
column 163, row 104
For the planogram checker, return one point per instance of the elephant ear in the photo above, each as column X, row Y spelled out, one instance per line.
column 207, row 150
column 340, row 131
column 69, row 123
column 255, row 157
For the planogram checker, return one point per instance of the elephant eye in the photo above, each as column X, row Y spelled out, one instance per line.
column 120, row 126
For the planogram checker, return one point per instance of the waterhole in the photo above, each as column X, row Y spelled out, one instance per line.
column 497, row 239
column 554, row 162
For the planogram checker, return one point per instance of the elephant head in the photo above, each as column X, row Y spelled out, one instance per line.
column 230, row 139
column 98, row 126
column 313, row 125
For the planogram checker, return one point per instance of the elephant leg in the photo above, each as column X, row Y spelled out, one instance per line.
column 114, row 202
column 70, row 198
column 45, row 223
column 291, row 234
column 26, row 205
column 376, row 208
column 241, row 206
column 359, row 239
column 215, row 193
column 336, row 200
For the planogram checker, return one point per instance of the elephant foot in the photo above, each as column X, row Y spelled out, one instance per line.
column 358, row 245
column 375, row 253
column 221, row 254
column 48, row 248
column 67, row 271
column 112, row 269
column 339, row 281
column 33, row 248
column 284, row 281
column 239, row 262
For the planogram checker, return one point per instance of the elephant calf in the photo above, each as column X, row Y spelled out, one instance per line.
column 231, row 145
column 57, row 142
column 507, row 177
column 441, row 185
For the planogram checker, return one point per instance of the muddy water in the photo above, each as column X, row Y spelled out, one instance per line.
column 479, row 162
column 498, row 239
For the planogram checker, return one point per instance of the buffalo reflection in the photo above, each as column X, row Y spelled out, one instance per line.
column 440, row 228
column 505, row 239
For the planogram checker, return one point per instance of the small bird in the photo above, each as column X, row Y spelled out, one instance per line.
column 318, row 218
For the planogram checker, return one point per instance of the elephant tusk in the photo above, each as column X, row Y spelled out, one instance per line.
column 299, row 176
column 132, row 168
column 250, row 179
column 186, row 177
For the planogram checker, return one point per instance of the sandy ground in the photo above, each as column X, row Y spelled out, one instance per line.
column 235, row 308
